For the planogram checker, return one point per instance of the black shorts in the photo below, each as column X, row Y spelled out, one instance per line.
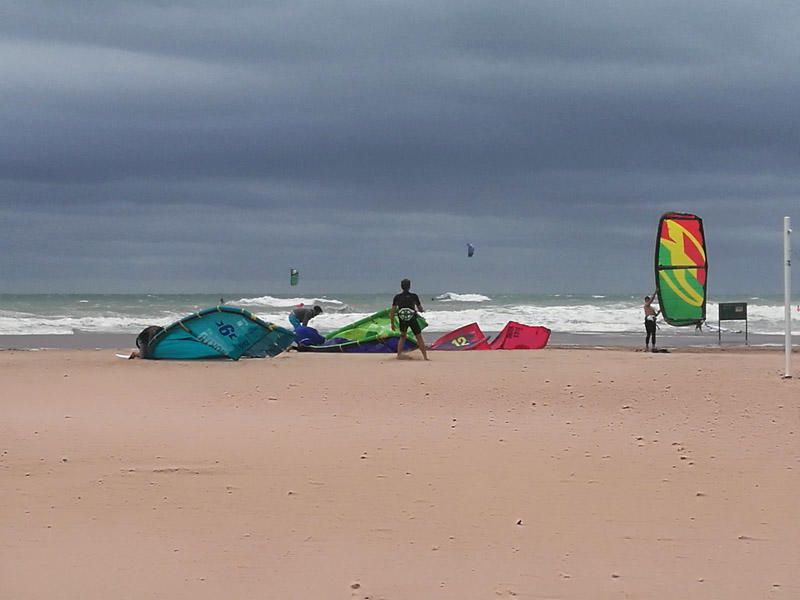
column 413, row 325
column 650, row 325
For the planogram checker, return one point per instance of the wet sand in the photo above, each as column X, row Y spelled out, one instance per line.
column 532, row 474
column 674, row 338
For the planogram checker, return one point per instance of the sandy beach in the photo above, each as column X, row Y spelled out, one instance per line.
column 567, row 474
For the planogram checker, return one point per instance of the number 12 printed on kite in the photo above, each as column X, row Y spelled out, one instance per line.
column 681, row 269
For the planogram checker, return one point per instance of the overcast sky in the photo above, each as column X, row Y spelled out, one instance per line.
column 209, row 146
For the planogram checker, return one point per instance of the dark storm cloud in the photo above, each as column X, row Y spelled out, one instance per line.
column 147, row 142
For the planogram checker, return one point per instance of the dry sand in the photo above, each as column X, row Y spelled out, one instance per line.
column 552, row 474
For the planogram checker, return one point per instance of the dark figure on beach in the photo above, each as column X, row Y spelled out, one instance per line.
column 300, row 316
column 405, row 306
column 650, row 315
column 143, row 341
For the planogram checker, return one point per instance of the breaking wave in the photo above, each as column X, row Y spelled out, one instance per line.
column 454, row 297
column 578, row 314
column 67, row 325
column 328, row 304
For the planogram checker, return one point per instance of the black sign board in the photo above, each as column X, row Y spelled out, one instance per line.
column 732, row 311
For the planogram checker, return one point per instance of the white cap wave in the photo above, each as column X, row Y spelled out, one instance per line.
column 456, row 297
column 328, row 304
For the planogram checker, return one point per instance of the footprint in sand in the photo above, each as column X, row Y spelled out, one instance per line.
column 181, row 470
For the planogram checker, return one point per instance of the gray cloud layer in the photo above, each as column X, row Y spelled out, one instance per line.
column 200, row 146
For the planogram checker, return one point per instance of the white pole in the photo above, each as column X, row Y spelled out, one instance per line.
column 787, row 292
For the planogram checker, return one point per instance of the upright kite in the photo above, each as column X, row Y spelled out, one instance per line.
column 294, row 276
column 470, row 250
column 681, row 269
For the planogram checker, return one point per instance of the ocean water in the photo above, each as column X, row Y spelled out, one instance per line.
column 564, row 313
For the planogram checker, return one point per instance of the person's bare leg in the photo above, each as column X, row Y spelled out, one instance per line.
column 400, row 343
column 421, row 345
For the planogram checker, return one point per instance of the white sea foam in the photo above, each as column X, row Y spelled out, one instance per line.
column 65, row 325
column 15, row 314
column 564, row 314
column 575, row 319
column 328, row 304
column 455, row 297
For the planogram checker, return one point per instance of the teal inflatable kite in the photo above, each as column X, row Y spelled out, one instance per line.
column 217, row 332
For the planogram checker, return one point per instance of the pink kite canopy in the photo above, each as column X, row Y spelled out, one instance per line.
column 468, row 337
column 516, row 336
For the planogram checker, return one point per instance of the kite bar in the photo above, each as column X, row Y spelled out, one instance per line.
column 673, row 267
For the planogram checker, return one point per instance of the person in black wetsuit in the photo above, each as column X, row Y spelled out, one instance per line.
column 650, row 315
column 405, row 307
column 143, row 341
column 301, row 315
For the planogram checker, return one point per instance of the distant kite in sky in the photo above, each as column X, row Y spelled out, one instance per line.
column 470, row 250
column 681, row 269
column 294, row 276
